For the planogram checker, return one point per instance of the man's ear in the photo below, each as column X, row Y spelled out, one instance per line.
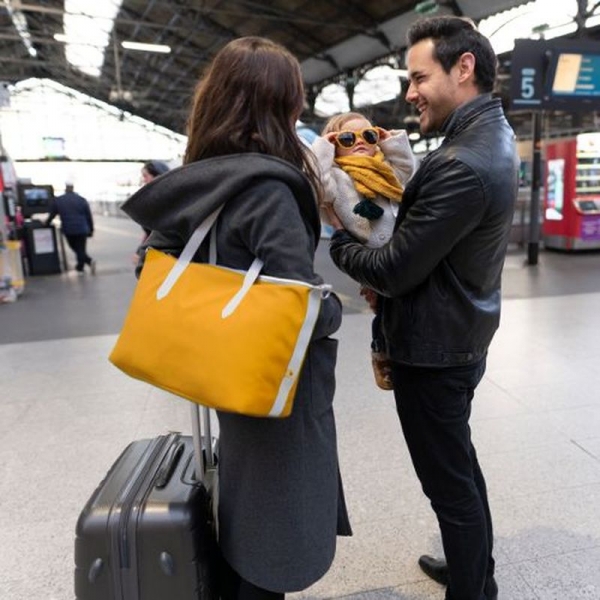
column 466, row 65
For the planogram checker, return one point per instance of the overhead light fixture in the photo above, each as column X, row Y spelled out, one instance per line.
column 61, row 37
column 146, row 47
column 540, row 29
column 65, row 39
column 427, row 7
column 20, row 23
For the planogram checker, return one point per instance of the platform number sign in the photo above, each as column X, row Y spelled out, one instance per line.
column 527, row 84
column 526, row 75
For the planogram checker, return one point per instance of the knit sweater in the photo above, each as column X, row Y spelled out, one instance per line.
column 340, row 192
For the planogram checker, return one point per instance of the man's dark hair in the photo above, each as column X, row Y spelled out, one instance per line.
column 452, row 37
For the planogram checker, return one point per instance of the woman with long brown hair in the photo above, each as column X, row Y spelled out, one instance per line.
column 280, row 498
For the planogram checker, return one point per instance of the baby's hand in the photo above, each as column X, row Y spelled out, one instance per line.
column 384, row 134
column 330, row 137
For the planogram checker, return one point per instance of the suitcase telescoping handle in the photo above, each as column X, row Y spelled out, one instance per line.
column 204, row 461
column 201, row 423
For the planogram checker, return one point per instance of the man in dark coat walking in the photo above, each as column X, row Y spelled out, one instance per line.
column 77, row 225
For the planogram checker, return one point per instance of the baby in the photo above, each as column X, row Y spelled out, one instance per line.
column 364, row 170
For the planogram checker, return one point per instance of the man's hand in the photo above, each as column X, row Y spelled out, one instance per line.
column 370, row 296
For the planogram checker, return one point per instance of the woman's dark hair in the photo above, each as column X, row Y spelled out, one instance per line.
column 452, row 37
column 156, row 167
column 249, row 101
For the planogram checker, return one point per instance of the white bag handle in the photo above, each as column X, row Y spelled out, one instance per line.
column 188, row 253
column 249, row 279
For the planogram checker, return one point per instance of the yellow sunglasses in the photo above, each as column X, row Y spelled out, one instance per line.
column 349, row 139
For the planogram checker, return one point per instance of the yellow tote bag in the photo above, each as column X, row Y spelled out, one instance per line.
column 231, row 340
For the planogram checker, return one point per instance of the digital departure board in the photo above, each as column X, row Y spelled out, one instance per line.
column 574, row 75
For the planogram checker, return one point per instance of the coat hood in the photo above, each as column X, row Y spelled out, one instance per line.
column 182, row 198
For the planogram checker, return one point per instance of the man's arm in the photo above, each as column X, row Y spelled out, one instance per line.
column 450, row 203
column 89, row 218
column 53, row 212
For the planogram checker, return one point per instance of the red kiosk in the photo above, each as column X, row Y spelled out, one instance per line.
column 572, row 193
column 562, row 75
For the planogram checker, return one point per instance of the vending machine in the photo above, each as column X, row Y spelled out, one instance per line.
column 572, row 193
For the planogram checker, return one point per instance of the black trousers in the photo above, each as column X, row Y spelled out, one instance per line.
column 434, row 406
column 78, row 244
column 233, row 587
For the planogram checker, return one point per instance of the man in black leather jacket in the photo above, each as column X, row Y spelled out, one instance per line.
column 440, row 280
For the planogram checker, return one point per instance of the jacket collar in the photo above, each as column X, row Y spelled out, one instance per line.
column 465, row 113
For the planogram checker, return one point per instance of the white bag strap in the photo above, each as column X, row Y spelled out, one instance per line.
column 190, row 250
column 187, row 254
column 312, row 312
column 250, row 277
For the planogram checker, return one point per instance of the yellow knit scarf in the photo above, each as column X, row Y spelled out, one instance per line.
column 372, row 175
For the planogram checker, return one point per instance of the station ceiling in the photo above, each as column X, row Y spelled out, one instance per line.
column 331, row 38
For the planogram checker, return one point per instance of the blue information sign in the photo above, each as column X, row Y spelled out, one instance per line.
column 555, row 74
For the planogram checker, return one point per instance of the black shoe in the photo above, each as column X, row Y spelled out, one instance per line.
column 434, row 568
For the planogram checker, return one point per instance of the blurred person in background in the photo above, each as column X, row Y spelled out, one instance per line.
column 150, row 171
column 77, row 225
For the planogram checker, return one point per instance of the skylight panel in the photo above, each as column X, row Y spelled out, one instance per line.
column 87, row 28
column 541, row 18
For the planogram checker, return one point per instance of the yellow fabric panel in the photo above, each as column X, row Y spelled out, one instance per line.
column 182, row 344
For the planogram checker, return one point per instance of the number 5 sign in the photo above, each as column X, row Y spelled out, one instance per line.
column 528, row 66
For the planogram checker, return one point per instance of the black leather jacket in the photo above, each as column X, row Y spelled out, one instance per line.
column 440, row 273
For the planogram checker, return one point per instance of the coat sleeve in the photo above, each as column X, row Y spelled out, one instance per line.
column 89, row 218
column 399, row 154
column 450, row 203
column 53, row 213
column 339, row 191
column 323, row 153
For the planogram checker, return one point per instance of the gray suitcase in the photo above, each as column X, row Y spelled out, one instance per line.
column 147, row 532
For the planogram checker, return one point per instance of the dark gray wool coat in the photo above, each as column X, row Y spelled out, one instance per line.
column 280, row 495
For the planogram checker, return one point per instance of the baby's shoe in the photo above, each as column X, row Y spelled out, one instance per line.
column 382, row 370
